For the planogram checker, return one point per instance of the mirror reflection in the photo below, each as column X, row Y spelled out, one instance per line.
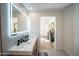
column 19, row 20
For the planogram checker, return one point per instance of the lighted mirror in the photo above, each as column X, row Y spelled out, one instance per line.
column 18, row 21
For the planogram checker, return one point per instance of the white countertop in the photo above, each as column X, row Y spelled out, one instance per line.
column 25, row 46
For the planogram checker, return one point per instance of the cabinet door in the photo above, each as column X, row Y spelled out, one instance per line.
column 35, row 51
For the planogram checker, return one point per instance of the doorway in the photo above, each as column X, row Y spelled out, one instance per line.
column 47, row 32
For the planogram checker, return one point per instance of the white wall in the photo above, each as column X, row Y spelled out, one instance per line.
column 0, row 29
column 76, row 29
column 68, row 29
column 7, row 41
column 71, row 29
column 35, row 25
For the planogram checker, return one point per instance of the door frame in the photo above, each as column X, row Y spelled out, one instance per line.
column 55, row 30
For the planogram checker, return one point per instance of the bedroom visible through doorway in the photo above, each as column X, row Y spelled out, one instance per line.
column 47, row 32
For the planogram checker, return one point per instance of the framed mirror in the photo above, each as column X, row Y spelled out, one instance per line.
column 19, row 20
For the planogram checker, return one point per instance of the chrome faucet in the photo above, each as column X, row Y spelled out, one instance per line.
column 18, row 42
column 24, row 39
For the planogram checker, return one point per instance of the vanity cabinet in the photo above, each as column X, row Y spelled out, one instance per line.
column 35, row 51
column 29, row 49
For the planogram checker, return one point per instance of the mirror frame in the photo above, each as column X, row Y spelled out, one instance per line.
column 11, row 16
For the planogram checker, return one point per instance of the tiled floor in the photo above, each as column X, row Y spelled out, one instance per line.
column 45, row 44
column 47, row 47
column 52, row 52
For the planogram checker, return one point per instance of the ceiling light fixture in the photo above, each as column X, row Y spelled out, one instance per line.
column 31, row 8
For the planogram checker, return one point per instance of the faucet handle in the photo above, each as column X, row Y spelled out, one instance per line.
column 21, row 40
column 18, row 42
column 27, row 36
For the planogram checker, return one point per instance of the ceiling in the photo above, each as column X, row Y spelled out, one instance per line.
column 45, row 6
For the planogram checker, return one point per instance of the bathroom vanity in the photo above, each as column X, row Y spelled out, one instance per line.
column 18, row 24
column 28, row 48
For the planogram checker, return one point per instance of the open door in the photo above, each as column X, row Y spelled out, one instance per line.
column 47, row 32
